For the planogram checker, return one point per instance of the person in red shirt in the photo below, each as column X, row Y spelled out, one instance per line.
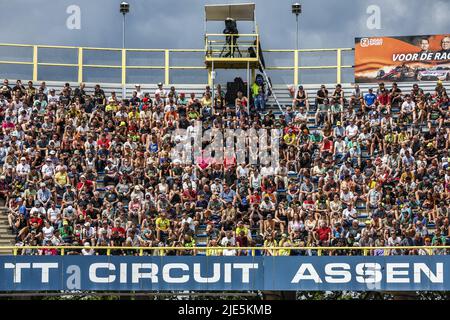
column 49, row 251
column 242, row 241
column 327, row 147
column 85, row 185
column 384, row 100
column 255, row 198
column 35, row 219
column 103, row 141
column 117, row 234
column 189, row 194
column 322, row 234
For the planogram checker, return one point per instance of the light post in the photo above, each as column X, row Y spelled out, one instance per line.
column 297, row 9
column 124, row 9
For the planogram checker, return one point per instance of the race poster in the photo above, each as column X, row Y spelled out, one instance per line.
column 407, row 58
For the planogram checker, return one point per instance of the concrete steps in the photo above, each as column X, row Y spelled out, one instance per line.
column 6, row 238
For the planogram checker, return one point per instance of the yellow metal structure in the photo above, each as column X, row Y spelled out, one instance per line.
column 213, row 47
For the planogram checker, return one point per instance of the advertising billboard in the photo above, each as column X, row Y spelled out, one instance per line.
column 179, row 273
column 407, row 58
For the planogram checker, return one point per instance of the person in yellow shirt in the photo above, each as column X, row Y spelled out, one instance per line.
column 290, row 137
column 406, row 174
column 241, row 227
column 134, row 114
column 61, row 180
column 213, row 249
column 111, row 107
column 285, row 242
column 206, row 101
column 270, row 242
column 162, row 227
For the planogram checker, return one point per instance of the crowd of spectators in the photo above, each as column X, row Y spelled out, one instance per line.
column 91, row 170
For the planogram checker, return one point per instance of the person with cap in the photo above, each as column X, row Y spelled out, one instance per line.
column 161, row 92
column 23, row 167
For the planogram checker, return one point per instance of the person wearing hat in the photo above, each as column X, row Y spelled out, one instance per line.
column 48, row 169
column 161, row 92
column 23, row 168
column 44, row 195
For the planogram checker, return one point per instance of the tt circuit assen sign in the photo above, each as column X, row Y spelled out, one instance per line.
column 146, row 273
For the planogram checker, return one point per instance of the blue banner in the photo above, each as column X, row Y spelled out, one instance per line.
column 153, row 273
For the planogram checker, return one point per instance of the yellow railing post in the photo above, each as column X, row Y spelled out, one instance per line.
column 80, row 64
column 296, row 68
column 141, row 252
column 339, row 65
column 15, row 251
column 108, row 252
column 209, row 78
column 365, row 252
column 319, row 252
column 166, row 67
column 124, row 72
column 62, row 251
column 35, row 63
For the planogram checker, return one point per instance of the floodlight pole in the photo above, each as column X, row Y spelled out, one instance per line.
column 297, row 9
column 124, row 9
column 296, row 18
column 123, row 32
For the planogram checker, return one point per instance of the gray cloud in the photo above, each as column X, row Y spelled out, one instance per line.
column 177, row 24
column 180, row 24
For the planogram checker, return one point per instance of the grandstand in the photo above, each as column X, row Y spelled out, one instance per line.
column 91, row 173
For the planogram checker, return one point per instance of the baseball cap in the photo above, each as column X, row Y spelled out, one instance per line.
column 160, row 84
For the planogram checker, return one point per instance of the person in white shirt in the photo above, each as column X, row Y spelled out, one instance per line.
column 170, row 107
column 139, row 92
column 408, row 108
column 229, row 239
column 48, row 169
column 186, row 219
column 52, row 213
column 86, row 251
column 350, row 213
column 161, row 91
column 229, row 252
column 268, row 170
column 242, row 171
column 47, row 231
column 23, row 168
column 351, row 130
column 53, row 99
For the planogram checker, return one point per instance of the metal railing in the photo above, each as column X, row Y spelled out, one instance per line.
column 121, row 64
column 319, row 250
column 217, row 45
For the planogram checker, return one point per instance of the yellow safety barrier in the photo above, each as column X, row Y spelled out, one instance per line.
column 244, row 39
column 320, row 250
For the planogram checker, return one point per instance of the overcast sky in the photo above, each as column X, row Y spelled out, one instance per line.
column 180, row 24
